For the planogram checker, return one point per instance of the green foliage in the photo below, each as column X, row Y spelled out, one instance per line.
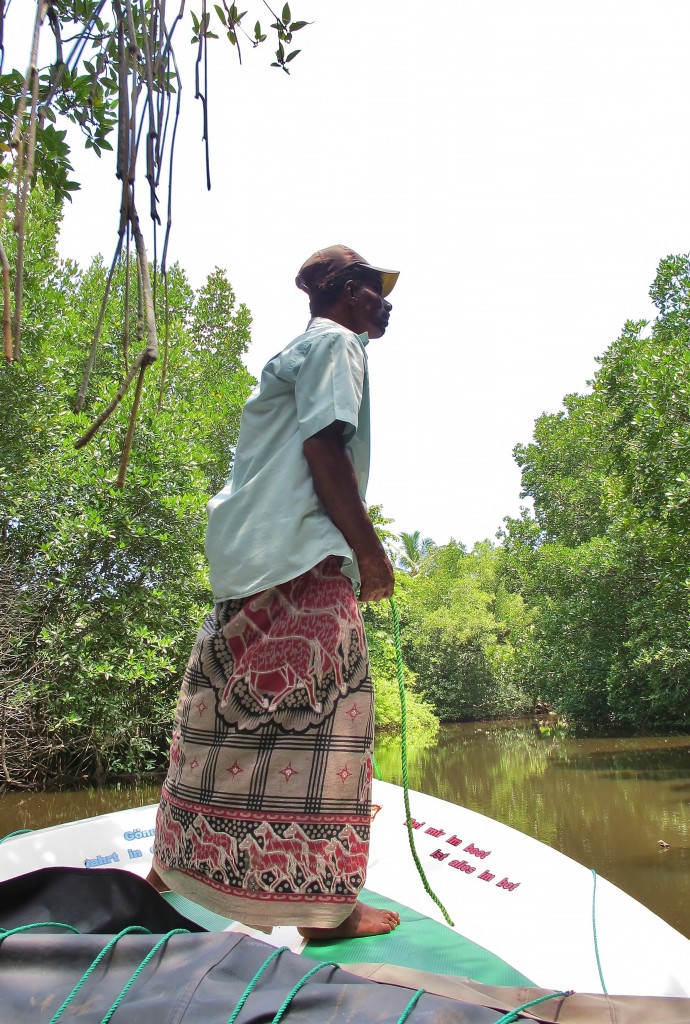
column 604, row 558
column 81, row 83
column 112, row 582
column 381, row 523
column 563, row 471
column 564, row 655
column 457, row 617
column 414, row 550
column 422, row 724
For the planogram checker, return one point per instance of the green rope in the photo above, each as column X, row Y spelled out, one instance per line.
column 19, row 832
column 403, row 745
column 253, row 982
column 6, row 932
column 89, row 970
column 410, row 1006
column 594, row 931
column 293, row 992
column 509, row 1018
column 376, row 766
column 142, row 965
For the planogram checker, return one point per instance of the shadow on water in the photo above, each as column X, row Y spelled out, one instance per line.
column 606, row 801
column 639, row 760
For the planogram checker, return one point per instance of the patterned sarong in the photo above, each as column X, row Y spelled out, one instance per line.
column 265, row 812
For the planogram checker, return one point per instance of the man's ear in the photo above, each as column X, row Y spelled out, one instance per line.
column 350, row 292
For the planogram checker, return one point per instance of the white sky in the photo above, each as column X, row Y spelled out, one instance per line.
column 524, row 163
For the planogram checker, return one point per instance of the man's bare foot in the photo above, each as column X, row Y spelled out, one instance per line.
column 154, row 879
column 364, row 920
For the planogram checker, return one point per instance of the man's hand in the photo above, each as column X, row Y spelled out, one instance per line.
column 376, row 573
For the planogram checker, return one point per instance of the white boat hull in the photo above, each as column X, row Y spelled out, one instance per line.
column 527, row 903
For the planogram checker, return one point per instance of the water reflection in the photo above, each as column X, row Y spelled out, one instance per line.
column 38, row 810
column 606, row 801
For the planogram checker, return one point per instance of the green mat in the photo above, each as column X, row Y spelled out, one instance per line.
column 200, row 915
column 417, row 942
column 421, row 943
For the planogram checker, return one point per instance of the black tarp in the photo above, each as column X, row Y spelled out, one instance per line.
column 198, row 977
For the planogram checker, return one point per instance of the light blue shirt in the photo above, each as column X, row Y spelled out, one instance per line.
column 267, row 525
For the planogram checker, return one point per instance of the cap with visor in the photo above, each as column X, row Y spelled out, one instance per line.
column 323, row 266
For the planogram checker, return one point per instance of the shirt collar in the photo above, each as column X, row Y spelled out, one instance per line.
column 317, row 321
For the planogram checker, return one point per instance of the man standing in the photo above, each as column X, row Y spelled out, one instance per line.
column 265, row 812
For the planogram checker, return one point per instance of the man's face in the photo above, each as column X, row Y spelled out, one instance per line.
column 371, row 311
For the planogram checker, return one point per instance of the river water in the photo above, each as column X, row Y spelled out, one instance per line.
column 605, row 801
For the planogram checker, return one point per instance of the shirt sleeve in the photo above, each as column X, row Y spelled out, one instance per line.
column 329, row 385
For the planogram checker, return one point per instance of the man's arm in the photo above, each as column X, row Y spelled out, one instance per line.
column 336, row 486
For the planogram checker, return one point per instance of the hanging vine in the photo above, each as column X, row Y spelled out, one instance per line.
column 120, row 76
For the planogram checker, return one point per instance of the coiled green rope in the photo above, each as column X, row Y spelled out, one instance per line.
column 594, row 931
column 513, row 1015
column 252, row 984
column 403, row 753
column 293, row 992
column 92, row 967
column 6, row 932
column 19, row 832
column 295, row 989
column 410, row 1006
column 403, row 743
column 161, row 942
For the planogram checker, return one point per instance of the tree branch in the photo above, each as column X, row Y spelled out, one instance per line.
column 6, row 308
column 112, row 405
column 81, row 397
column 127, row 447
